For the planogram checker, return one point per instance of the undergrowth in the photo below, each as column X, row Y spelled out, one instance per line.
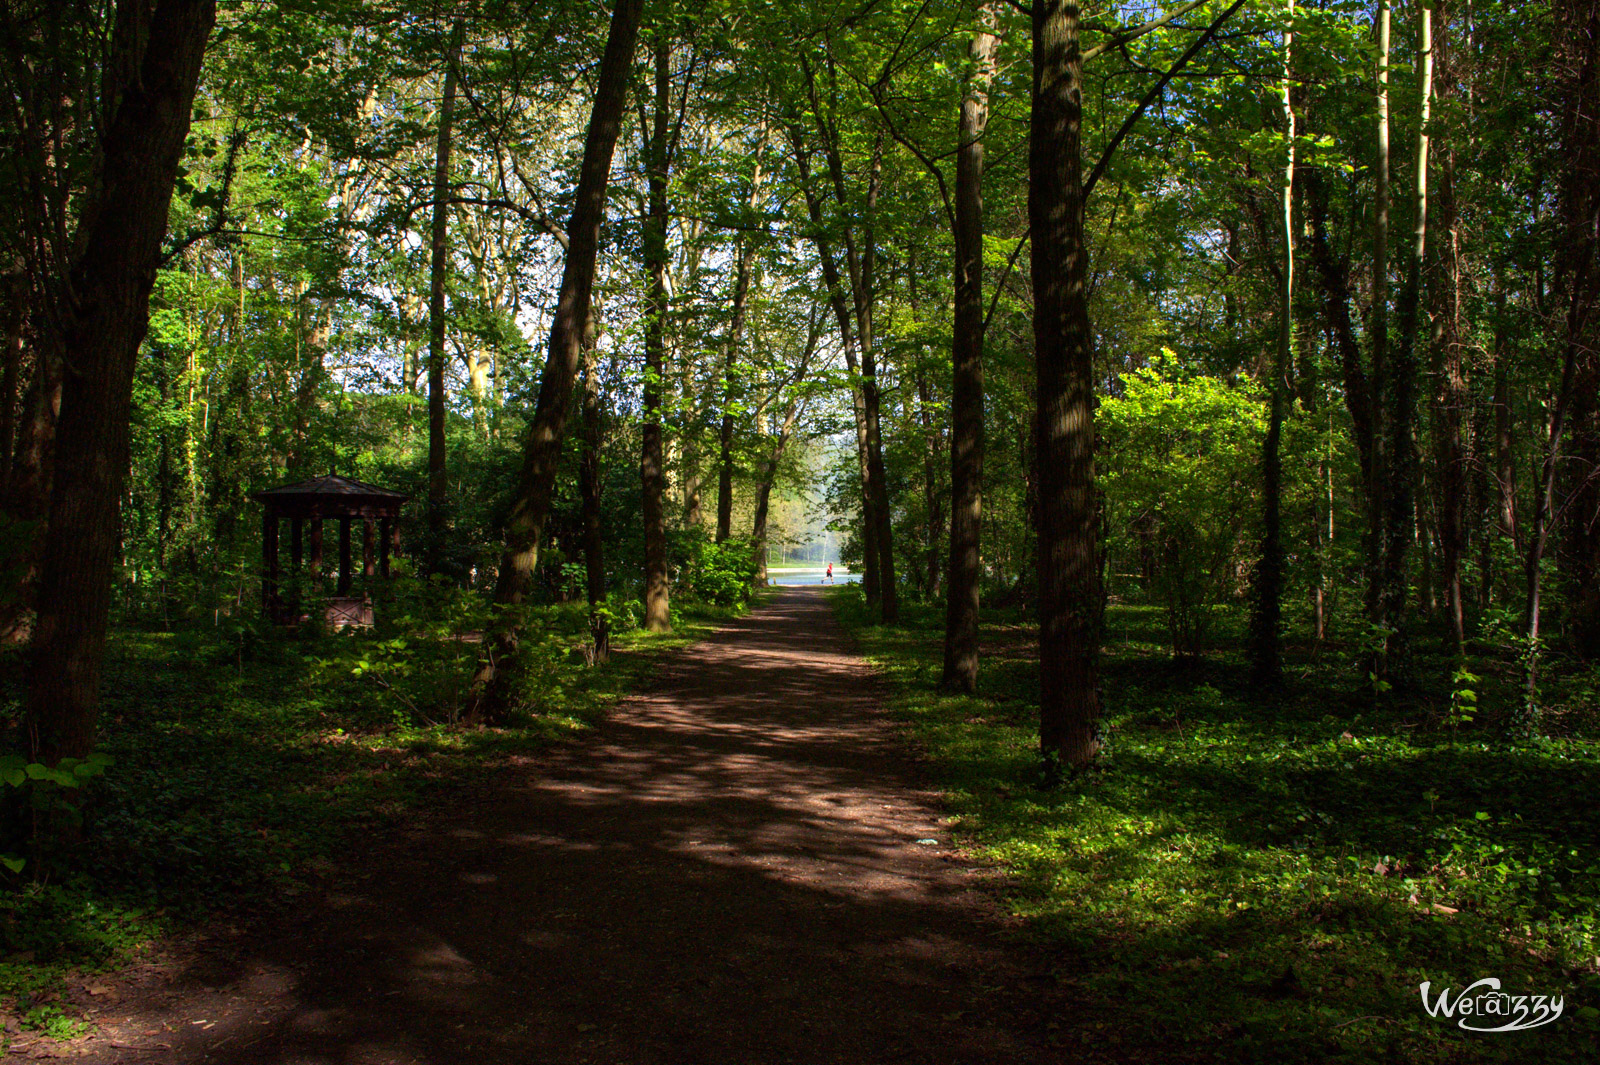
column 1271, row 878
column 242, row 757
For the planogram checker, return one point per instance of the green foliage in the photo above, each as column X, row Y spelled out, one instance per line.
column 717, row 574
column 1270, row 882
column 1179, row 479
column 235, row 782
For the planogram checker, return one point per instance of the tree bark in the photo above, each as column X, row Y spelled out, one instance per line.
column 1069, row 577
column 764, row 483
column 103, row 322
column 744, row 265
column 541, row 454
column 657, row 613
column 870, row 584
column 865, row 285
column 1578, row 280
column 438, row 482
column 1400, row 504
column 1266, row 656
column 964, row 572
column 1378, row 493
column 1451, row 397
column 590, row 489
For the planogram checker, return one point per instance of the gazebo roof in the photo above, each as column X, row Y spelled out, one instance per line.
column 333, row 496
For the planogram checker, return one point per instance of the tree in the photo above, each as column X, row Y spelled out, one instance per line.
column 438, row 482
column 542, row 444
column 966, row 394
column 101, row 315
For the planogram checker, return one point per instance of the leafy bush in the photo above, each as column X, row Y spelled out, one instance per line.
column 716, row 574
column 1178, row 472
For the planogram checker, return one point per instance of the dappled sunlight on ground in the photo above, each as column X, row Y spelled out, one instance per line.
column 742, row 868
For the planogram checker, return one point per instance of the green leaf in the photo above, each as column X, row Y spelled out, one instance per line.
column 13, row 864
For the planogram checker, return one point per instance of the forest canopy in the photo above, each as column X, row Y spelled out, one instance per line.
column 1278, row 317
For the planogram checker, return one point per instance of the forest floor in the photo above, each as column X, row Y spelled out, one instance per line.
column 744, row 864
column 1254, row 876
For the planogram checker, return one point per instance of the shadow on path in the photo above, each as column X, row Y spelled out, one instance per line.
column 730, row 873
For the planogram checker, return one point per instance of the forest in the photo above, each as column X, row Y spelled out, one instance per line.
column 1207, row 395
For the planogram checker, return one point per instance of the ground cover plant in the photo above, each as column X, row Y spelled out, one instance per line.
column 237, row 768
column 1271, row 878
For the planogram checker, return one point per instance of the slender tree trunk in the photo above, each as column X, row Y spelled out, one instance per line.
column 744, row 265
column 741, row 288
column 16, row 317
column 438, row 482
column 1578, row 280
column 105, row 319
column 1069, row 577
column 1266, row 657
column 541, row 455
column 1451, row 395
column 965, row 568
column 1336, row 301
column 1378, row 489
column 589, row 488
column 1505, row 463
column 870, row 585
column 657, row 614
column 931, row 496
column 871, row 398
column 1400, row 505
column 764, row 483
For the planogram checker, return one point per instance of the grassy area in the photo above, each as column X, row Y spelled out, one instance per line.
column 244, row 757
column 1272, row 879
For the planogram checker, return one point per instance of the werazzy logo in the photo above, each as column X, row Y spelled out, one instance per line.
column 1483, row 1007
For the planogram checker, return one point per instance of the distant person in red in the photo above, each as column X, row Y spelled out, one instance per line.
column 830, row 573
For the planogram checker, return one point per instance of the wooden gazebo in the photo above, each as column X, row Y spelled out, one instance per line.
column 342, row 499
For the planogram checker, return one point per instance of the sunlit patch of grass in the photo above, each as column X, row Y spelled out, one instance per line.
column 1270, row 880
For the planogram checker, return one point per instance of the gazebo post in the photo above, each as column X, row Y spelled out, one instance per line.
column 316, row 556
column 384, row 525
column 344, row 556
column 269, row 559
column 297, row 556
column 367, row 566
column 394, row 538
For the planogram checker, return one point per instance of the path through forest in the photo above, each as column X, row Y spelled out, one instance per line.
column 740, row 868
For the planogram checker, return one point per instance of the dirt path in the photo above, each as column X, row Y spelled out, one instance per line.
column 740, row 870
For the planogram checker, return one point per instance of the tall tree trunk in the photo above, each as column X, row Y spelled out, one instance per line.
column 764, row 482
column 1580, row 488
column 871, row 398
column 932, row 498
column 1266, row 659
column 541, row 454
column 589, row 488
column 657, row 614
column 1505, row 462
column 16, row 317
column 26, row 500
column 438, row 483
column 1069, row 577
column 966, row 390
column 1378, row 487
column 1451, row 398
column 837, row 300
column 744, row 265
column 1400, row 505
column 1334, row 275
column 1578, row 280
column 104, row 321
column 741, row 289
